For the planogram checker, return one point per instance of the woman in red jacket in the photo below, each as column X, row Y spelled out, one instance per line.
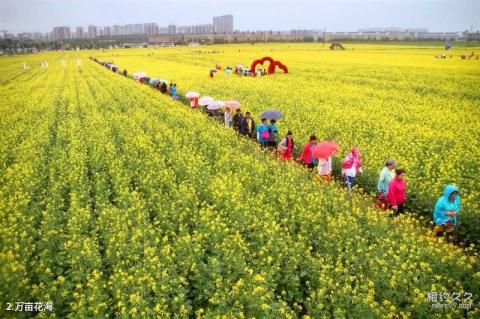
column 396, row 192
column 306, row 156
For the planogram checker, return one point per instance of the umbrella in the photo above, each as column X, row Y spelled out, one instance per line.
column 232, row 104
column 271, row 115
column 163, row 81
column 192, row 95
column 139, row 75
column 153, row 81
column 205, row 100
column 215, row 105
column 325, row 149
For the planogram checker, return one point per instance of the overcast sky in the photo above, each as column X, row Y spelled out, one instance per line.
column 342, row 15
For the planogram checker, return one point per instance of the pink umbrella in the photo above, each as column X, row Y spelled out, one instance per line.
column 325, row 149
column 232, row 104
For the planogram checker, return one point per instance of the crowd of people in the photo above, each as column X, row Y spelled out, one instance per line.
column 239, row 70
column 391, row 188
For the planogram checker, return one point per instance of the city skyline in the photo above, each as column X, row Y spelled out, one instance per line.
column 345, row 15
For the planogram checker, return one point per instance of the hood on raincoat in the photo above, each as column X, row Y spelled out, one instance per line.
column 444, row 204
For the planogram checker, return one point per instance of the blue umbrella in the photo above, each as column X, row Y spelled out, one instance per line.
column 271, row 115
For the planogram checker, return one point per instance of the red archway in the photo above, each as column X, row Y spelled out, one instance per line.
column 271, row 68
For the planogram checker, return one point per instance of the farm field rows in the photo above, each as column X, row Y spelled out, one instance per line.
column 116, row 200
column 391, row 101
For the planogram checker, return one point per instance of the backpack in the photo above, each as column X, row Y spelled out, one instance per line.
column 265, row 135
column 347, row 163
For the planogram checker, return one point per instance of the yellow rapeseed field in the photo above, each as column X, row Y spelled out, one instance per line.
column 118, row 201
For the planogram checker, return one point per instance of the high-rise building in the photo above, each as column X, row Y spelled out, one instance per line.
column 223, row 24
column 150, row 28
column 172, row 29
column 60, row 33
column 79, row 33
column 196, row 29
column 129, row 29
column 38, row 36
column 106, row 31
column 92, row 31
column 118, row 30
column 138, row 29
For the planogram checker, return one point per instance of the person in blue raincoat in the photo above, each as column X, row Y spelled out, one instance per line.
column 446, row 211
column 262, row 134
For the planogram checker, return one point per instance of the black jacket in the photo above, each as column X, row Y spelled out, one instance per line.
column 237, row 120
column 244, row 127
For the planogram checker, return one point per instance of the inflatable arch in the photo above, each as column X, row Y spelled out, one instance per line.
column 271, row 68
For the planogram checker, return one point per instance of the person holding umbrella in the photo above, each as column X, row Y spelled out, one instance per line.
column 237, row 120
column 247, row 126
column 273, row 131
column 286, row 147
column 306, row 156
column 351, row 164
column 262, row 133
column 324, row 152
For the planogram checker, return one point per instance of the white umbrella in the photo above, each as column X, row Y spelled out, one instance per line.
column 205, row 100
column 192, row 95
column 215, row 105
column 163, row 81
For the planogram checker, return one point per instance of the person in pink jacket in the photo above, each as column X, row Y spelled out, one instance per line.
column 396, row 192
column 306, row 156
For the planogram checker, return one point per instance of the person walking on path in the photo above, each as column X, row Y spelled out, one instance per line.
column 228, row 118
column 306, row 156
column 351, row 165
column 173, row 90
column 396, row 192
column 247, row 126
column 386, row 175
column 325, row 169
column 286, row 147
column 446, row 211
column 262, row 134
column 237, row 120
column 273, row 132
column 163, row 88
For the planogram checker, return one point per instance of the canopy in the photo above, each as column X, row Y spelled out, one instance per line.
column 325, row 149
column 271, row 114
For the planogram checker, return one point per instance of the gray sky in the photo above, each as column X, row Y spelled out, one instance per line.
column 342, row 15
